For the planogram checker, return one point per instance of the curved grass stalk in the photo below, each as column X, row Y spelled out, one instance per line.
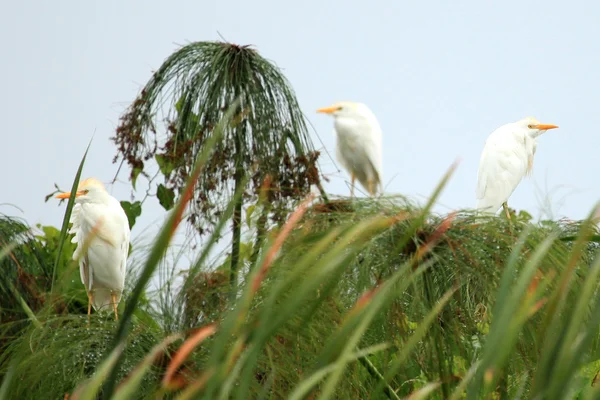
column 162, row 242
column 304, row 387
column 67, row 217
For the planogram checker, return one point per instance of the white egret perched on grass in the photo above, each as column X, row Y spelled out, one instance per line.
column 359, row 144
column 506, row 158
column 101, row 225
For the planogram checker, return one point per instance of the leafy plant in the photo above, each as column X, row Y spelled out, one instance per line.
column 348, row 299
column 267, row 137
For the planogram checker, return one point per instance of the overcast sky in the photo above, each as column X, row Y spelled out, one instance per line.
column 439, row 75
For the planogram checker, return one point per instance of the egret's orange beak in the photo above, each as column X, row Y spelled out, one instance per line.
column 328, row 110
column 66, row 195
column 545, row 127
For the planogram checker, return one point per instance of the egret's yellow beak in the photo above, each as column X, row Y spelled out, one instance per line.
column 66, row 195
column 545, row 127
column 328, row 110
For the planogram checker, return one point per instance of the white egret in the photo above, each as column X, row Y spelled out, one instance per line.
column 99, row 219
column 359, row 144
column 506, row 158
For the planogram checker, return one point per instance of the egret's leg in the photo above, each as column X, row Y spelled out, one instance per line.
column 505, row 206
column 352, row 178
column 89, row 306
column 114, row 300
column 370, row 185
column 510, row 224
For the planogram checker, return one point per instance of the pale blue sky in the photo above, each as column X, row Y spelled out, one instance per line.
column 439, row 75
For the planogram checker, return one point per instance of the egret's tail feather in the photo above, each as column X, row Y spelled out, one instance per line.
column 102, row 301
column 485, row 207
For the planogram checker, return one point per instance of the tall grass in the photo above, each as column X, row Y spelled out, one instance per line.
column 351, row 299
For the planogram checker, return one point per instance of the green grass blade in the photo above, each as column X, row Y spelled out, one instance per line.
column 90, row 389
column 510, row 313
column 557, row 300
column 4, row 252
column 331, row 263
column 388, row 390
column 164, row 237
column 553, row 328
column 592, row 392
column 425, row 391
column 522, row 387
column 67, row 217
column 566, row 354
column 7, row 380
column 328, row 267
column 382, row 293
column 414, row 339
column 460, row 388
column 229, row 383
column 302, row 388
column 386, row 292
column 322, row 272
column 26, row 309
column 126, row 390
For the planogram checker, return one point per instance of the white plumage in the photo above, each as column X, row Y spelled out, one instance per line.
column 506, row 158
column 103, row 266
column 359, row 144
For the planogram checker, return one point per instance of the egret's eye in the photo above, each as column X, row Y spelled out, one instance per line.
column 530, row 126
column 86, row 191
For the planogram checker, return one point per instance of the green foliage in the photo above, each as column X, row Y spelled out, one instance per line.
column 72, row 291
column 26, row 252
column 58, row 330
column 164, row 165
column 132, row 210
column 25, row 275
column 166, row 197
column 56, row 358
column 268, row 137
column 464, row 307
column 135, row 173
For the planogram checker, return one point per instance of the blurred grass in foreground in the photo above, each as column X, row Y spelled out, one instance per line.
column 347, row 299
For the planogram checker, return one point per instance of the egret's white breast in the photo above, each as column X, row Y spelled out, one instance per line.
column 350, row 138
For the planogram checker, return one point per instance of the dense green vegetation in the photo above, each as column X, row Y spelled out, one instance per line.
column 320, row 297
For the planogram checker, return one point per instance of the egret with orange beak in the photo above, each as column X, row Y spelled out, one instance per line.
column 101, row 226
column 506, row 158
column 359, row 144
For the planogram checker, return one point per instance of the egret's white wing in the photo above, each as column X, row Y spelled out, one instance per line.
column 359, row 148
column 373, row 144
column 339, row 153
column 503, row 164
column 79, row 234
column 487, row 169
column 125, row 250
column 106, row 255
column 84, row 273
column 367, row 140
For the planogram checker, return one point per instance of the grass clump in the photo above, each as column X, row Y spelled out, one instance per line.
column 354, row 299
